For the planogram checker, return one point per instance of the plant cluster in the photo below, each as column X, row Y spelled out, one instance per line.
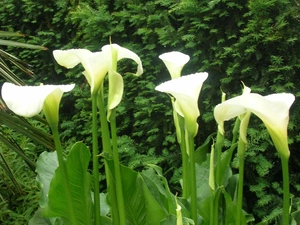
column 251, row 41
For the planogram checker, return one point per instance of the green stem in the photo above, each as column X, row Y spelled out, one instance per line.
column 95, row 160
column 63, row 169
column 107, row 149
column 241, row 156
column 211, row 207
column 212, row 186
column 286, row 190
column 235, row 131
column 104, row 124
column 119, row 189
column 219, row 143
column 193, row 185
column 185, row 168
column 184, row 156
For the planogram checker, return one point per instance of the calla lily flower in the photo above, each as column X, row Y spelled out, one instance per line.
column 29, row 101
column 174, row 62
column 186, row 91
column 123, row 53
column 273, row 110
column 116, row 84
column 95, row 64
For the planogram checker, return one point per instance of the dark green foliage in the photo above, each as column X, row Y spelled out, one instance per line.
column 18, row 206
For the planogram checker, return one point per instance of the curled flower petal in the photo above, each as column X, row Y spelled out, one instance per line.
column 186, row 91
column 52, row 102
column 115, row 91
column 174, row 62
column 95, row 64
column 122, row 54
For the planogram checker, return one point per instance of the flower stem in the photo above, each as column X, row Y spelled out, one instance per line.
column 95, row 160
column 235, row 131
column 184, row 156
column 241, row 156
column 219, row 143
column 119, row 189
column 63, row 169
column 107, row 149
column 193, row 185
column 286, row 190
column 212, row 187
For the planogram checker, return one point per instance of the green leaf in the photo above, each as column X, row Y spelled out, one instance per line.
column 158, row 186
column 38, row 219
column 79, row 183
column 45, row 168
column 296, row 217
column 141, row 205
column 10, row 34
column 201, row 151
column 19, row 44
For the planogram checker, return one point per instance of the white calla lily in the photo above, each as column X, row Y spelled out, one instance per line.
column 116, row 84
column 95, row 64
column 29, row 101
column 174, row 62
column 123, row 53
column 273, row 110
column 186, row 90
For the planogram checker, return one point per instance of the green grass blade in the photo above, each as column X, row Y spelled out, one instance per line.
column 22, row 45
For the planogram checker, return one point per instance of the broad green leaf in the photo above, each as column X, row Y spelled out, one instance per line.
column 159, row 188
column 171, row 219
column 154, row 213
column 79, row 183
column 202, row 180
column 204, row 206
column 141, row 205
column 104, row 209
column 295, row 217
column 225, row 164
column 231, row 210
column 201, row 151
column 38, row 219
column 45, row 168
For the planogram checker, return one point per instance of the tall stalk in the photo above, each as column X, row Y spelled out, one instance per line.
column 63, row 169
column 184, row 156
column 219, row 143
column 95, row 160
column 119, row 189
column 241, row 157
column 193, row 185
column 212, row 188
column 107, row 149
column 286, row 190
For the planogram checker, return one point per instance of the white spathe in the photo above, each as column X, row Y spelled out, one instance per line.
column 94, row 63
column 174, row 62
column 28, row 101
column 186, row 90
column 273, row 110
column 123, row 53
